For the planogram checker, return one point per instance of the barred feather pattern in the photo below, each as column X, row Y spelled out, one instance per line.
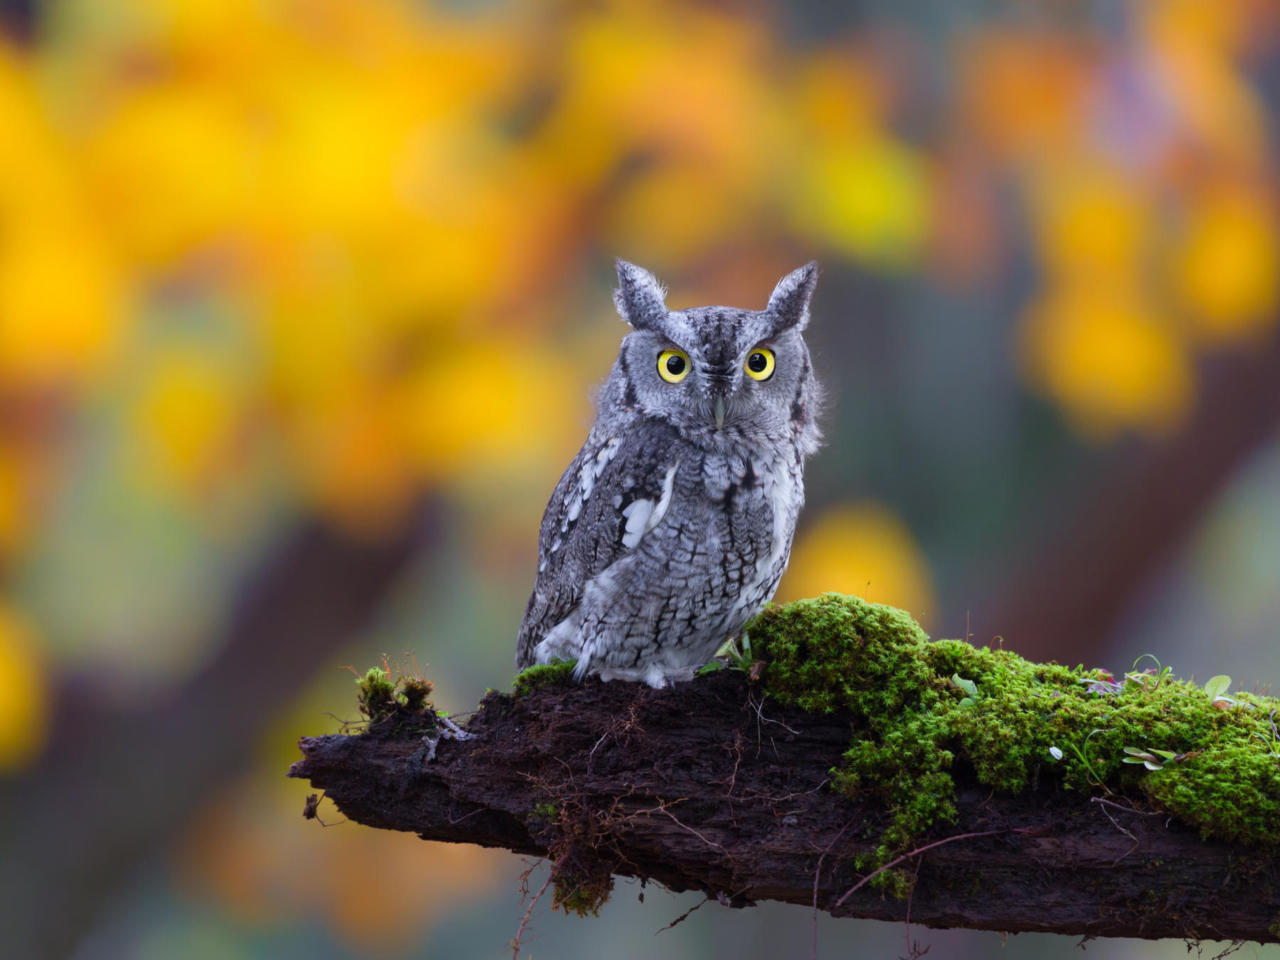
column 673, row 525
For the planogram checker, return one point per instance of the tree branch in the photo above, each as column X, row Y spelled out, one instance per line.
column 114, row 784
column 1069, row 584
column 710, row 787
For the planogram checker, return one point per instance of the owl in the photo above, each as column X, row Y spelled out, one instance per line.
column 673, row 525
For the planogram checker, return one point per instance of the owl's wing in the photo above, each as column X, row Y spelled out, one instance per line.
column 615, row 491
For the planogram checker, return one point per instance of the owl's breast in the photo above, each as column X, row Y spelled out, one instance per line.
column 753, row 503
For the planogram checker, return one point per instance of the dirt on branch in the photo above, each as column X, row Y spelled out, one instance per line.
column 712, row 786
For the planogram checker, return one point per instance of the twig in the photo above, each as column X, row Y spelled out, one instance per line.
column 913, row 949
column 662, row 808
column 1136, row 844
column 916, row 852
column 684, row 916
column 1121, row 806
column 515, row 944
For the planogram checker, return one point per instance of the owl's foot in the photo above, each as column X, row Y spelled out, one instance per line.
column 654, row 675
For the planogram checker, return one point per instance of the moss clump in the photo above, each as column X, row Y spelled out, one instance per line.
column 584, row 899
column 924, row 708
column 377, row 695
column 380, row 698
column 546, row 811
column 542, row 675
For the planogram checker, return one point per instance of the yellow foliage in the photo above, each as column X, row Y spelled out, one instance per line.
column 23, row 696
column 1109, row 358
column 1092, row 223
column 62, row 297
column 855, row 187
column 1225, row 269
column 172, row 167
column 478, row 404
column 866, row 197
column 670, row 213
column 861, row 548
column 663, row 78
column 1022, row 93
column 190, row 410
column 1193, row 42
column 13, row 512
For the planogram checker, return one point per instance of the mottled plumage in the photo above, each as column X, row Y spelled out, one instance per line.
column 673, row 525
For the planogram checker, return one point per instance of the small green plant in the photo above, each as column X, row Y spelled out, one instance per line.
column 731, row 656
column 1149, row 678
column 1082, row 754
column 1151, row 758
column 1271, row 738
column 970, row 688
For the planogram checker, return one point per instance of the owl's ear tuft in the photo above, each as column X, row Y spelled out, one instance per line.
column 640, row 299
column 789, row 301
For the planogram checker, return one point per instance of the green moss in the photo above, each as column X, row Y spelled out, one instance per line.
column 547, row 811
column 381, row 698
column 376, row 696
column 581, row 898
column 923, row 709
column 414, row 692
column 542, row 675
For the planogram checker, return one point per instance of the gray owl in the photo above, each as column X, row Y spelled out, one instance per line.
column 673, row 525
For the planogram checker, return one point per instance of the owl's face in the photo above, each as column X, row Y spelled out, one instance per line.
column 721, row 375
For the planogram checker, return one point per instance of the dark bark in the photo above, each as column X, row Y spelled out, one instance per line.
column 709, row 787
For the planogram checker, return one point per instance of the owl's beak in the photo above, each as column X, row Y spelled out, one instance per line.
column 719, row 411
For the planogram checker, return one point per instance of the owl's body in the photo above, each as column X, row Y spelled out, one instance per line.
column 673, row 525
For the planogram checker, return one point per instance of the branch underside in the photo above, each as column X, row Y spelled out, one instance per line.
column 711, row 787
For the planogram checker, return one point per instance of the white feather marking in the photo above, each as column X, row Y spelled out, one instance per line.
column 591, row 471
column 643, row 515
column 660, row 511
column 637, row 513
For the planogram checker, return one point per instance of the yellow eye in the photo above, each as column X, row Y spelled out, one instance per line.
column 759, row 365
column 673, row 365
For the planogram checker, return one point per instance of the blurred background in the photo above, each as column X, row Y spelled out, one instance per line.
column 302, row 303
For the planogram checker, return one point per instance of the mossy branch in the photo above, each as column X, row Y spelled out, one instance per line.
column 1048, row 799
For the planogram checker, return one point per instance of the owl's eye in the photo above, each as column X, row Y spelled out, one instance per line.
column 673, row 365
column 760, row 363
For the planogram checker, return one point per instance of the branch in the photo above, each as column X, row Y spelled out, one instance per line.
column 1069, row 584
column 115, row 783
column 709, row 787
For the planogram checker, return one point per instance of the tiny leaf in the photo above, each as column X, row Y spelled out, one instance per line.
column 1215, row 687
column 968, row 686
column 1152, row 765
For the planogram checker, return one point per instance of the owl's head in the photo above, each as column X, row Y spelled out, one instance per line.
column 721, row 375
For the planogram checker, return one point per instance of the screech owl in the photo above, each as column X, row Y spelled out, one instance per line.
column 673, row 525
